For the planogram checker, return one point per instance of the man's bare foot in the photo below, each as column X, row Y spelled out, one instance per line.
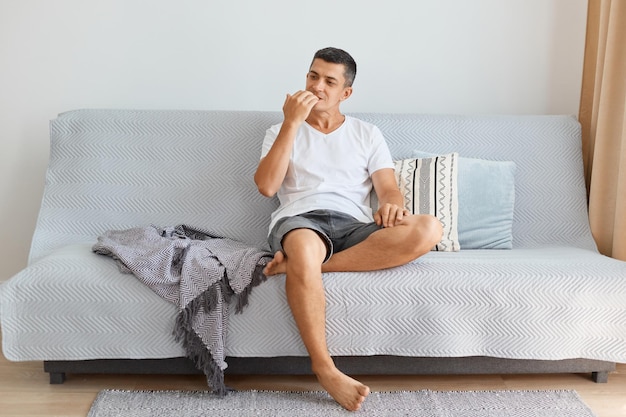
column 278, row 265
column 348, row 392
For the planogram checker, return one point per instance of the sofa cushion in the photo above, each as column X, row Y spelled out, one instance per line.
column 429, row 186
column 486, row 192
column 74, row 304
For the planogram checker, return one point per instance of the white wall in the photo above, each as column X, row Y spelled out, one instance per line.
column 429, row 56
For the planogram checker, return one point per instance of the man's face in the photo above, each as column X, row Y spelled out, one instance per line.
column 327, row 81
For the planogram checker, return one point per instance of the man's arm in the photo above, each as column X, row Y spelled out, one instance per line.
column 273, row 167
column 390, row 200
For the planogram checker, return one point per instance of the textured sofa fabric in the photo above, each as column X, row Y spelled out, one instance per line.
column 550, row 297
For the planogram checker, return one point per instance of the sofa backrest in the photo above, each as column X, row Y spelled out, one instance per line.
column 116, row 169
column 550, row 193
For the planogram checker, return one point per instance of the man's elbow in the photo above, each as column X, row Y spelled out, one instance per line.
column 266, row 184
column 265, row 190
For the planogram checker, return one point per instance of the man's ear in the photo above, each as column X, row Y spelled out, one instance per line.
column 347, row 92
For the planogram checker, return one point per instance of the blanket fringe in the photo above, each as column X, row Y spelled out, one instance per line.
column 258, row 277
column 203, row 360
column 194, row 347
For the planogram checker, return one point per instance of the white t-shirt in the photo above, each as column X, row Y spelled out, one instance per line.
column 331, row 171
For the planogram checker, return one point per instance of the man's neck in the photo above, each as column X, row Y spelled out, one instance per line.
column 324, row 122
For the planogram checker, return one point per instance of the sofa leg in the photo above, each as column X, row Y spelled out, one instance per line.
column 57, row 377
column 600, row 377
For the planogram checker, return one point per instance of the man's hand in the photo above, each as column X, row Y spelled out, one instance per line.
column 298, row 106
column 388, row 215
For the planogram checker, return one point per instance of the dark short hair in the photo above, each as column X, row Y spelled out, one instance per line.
column 338, row 56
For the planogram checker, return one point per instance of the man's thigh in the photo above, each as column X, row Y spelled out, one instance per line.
column 338, row 231
column 352, row 233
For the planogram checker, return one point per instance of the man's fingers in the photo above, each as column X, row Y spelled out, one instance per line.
column 385, row 214
column 304, row 97
column 313, row 99
column 391, row 214
column 307, row 98
column 401, row 213
column 298, row 106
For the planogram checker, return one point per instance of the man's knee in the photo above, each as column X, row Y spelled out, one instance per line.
column 304, row 245
column 431, row 229
column 426, row 232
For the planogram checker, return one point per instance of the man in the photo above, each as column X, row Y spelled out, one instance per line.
column 323, row 165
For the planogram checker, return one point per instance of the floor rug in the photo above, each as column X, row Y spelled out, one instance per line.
column 425, row 403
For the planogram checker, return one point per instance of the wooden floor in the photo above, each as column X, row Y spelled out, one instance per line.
column 25, row 391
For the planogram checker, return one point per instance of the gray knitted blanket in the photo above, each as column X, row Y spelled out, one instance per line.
column 200, row 273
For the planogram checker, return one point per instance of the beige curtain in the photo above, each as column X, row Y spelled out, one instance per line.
column 603, row 118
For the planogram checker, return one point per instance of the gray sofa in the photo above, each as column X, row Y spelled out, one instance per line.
column 527, row 293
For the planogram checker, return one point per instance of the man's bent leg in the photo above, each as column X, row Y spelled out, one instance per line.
column 392, row 246
column 305, row 252
column 385, row 248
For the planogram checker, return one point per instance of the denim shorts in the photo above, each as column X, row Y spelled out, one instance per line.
column 338, row 230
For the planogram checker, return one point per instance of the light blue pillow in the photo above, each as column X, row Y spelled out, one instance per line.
column 486, row 195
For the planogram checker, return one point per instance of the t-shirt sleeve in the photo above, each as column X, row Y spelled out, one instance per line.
column 270, row 137
column 380, row 157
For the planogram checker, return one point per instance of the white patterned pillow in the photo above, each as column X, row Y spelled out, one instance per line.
column 429, row 186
